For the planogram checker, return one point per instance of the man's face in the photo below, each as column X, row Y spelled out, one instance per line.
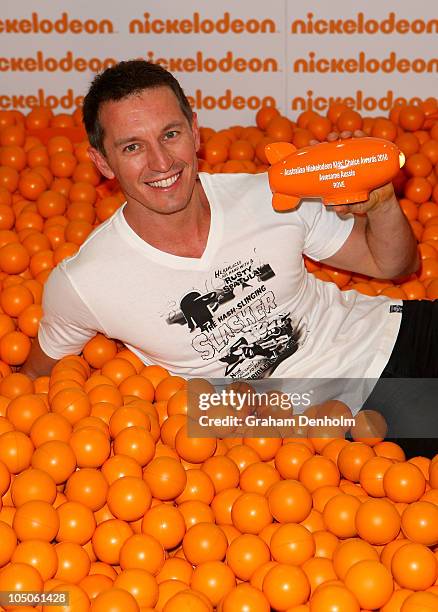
column 150, row 148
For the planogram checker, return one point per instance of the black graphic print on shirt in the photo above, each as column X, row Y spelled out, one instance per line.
column 236, row 321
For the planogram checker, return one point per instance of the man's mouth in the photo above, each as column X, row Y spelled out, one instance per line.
column 164, row 183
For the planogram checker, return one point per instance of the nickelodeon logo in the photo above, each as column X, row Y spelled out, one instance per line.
column 199, row 63
column 63, row 25
column 362, row 63
column 67, row 63
column 227, row 63
column 200, row 101
column 66, row 101
column 197, row 25
column 361, row 25
column 359, row 101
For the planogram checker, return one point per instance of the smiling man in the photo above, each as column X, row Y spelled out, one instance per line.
column 198, row 273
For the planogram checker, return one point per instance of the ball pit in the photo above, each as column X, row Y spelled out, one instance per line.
column 105, row 497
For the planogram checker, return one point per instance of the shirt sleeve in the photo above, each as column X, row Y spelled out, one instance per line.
column 326, row 231
column 67, row 323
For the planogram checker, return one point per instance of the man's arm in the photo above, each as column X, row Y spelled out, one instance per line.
column 38, row 363
column 66, row 326
column 381, row 244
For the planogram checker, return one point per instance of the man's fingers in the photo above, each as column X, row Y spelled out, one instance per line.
column 332, row 136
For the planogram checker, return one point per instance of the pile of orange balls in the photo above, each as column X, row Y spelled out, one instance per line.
column 51, row 198
column 107, row 504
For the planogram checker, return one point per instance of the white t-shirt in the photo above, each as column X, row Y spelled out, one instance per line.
column 246, row 309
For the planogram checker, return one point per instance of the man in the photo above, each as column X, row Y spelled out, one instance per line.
column 199, row 274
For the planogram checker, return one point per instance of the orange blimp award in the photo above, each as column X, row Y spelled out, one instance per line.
column 339, row 172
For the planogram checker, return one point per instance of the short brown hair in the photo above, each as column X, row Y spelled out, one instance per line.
column 121, row 81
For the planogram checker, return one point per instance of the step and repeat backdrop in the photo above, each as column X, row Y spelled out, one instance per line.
column 231, row 57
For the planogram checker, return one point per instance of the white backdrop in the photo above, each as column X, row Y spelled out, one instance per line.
column 230, row 56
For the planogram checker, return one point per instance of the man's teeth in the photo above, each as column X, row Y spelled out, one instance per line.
column 165, row 182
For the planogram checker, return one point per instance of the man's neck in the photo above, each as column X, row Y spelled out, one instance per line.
column 184, row 233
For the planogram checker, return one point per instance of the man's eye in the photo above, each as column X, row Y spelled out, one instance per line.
column 130, row 148
column 171, row 134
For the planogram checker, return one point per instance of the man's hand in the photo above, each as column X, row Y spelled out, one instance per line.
column 378, row 197
column 381, row 243
column 332, row 136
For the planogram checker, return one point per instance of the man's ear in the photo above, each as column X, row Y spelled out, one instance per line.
column 100, row 162
column 195, row 131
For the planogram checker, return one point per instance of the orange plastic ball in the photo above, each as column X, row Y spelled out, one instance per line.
column 289, row 501
column 350, row 552
column 420, row 523
column 9, row 542
column 286, row 586
column 371, row 475
column 140, row 584
column 318, row 571
column 73, row 593
column 129, row 498
column 204, row 542
column 91, row 447
column 175, row 568
column 36, row 520
column 18, row 577
column 72, row 403
column 165, row 523
column 404, row 482
column 371, row 583
column 89, row 487
column 250, row 513
column 195, row 450
column 76, row 523
column 415, row 567
column 188, row 600
column 289, row 459
column 114, row 600
column 33, row 484
column 339, row 515
column 318, row 471
column 50, row 426
column 16, row 450
column 292, row 544
column 351, row 459
column 56, row 458
column 213, row 579
column 142, row 551
column 246, row 554
column 245, row 598
column 95, row 584
column 377, row 521
column 166, row 478
column 108, row 539
column 333, row 598
column 23, row 411
column 420, row 602
column 38, row 554
column 135, row 442
column 119, row 466
column 199, row 487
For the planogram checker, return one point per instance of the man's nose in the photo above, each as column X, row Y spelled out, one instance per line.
column 159, row 158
